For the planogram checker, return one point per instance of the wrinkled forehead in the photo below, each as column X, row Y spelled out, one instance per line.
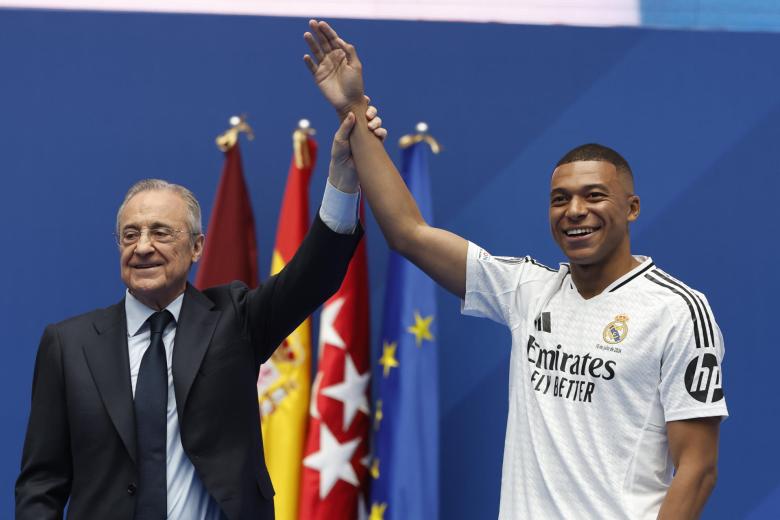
column 165, row 207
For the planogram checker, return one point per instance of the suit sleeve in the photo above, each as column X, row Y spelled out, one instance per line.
column 313, row 275
column 44, row 482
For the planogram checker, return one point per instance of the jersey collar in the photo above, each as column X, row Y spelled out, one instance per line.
column 645, row 264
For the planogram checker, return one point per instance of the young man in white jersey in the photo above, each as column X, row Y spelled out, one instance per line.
column 615, row 385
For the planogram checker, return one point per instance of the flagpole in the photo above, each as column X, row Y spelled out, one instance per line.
column 300, row 143
column 422, row 135
column 230, row 253
column 228, row 139
column 405, row 450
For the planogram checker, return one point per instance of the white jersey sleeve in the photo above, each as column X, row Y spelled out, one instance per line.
column 501, row 288
column 691, row 366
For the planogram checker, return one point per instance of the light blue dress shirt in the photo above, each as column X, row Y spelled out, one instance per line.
column 187, row 496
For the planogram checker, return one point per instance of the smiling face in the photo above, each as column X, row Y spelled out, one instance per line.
column 155, row 272
column 591, row 204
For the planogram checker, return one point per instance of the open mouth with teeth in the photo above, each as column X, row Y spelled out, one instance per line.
column 580, row 232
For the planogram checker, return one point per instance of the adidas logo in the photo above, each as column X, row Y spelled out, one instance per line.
column 542, row 322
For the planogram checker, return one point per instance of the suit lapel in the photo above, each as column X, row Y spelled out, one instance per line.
column 194, row 330
column 107, row 358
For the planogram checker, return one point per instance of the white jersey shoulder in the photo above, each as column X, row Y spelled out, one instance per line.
column 484, row 256
column 500, row 287
column 684, row 304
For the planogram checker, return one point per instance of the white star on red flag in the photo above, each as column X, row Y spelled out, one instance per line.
column 333, row 461
column 328, row 332
column 337, row 438
column 351, row 392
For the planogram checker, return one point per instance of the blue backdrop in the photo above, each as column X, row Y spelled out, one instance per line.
column 90, row 102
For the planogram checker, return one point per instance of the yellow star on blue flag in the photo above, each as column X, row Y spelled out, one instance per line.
column 421, row 328
column 377, row 512
column 407, row 380
column 388, row 359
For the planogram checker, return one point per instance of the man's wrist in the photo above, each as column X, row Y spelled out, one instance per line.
column 344, row 182
column 339, row 209
column 358, row 108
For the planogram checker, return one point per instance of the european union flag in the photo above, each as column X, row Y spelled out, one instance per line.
column 405, row 465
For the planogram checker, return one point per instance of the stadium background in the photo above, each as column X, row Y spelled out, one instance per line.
column 90, row 102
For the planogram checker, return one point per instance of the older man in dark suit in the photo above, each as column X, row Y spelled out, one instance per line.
column 148, row 409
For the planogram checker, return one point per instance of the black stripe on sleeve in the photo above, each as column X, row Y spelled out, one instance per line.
column 512, row 259
column 708, row 315
column 709, row 321
column 695, row 301
column 537, row 264
column 624, row 282
column 687, row 301
column 522, row 260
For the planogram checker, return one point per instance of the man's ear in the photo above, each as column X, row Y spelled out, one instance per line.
column 197, row 247
column 633, row 208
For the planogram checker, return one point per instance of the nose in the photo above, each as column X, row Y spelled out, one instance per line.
column 577, row 208
column 144, row 244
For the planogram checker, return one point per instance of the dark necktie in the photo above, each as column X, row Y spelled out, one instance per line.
column 151, row 402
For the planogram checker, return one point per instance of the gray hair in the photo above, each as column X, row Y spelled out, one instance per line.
column 193, row 208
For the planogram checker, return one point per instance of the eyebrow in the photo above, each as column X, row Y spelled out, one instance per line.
column 153, row 225
column 587, row 187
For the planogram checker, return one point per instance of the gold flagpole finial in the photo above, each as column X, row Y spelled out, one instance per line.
column 300, row 146
column 229, row 138
column 304, row 125
column 422, row 135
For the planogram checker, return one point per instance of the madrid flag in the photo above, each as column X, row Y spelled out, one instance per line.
column 284, row 382
column 335, row 464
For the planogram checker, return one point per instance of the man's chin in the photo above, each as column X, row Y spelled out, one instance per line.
column 156, row 295
column 146, row 290
column 581, row 257
column 145, row 285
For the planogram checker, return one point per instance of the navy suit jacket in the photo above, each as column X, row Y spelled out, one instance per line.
column 80, row 444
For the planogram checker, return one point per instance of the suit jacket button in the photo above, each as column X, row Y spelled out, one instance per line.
column 131, row 489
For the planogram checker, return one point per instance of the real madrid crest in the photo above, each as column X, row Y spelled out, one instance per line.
column 617, row 330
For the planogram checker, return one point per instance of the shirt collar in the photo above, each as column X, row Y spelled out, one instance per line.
column 645, row 263
column 137, row 313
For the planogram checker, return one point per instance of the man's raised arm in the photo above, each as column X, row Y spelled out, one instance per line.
column 338, row 73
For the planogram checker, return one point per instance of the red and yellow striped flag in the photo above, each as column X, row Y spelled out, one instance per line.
column 284, row 382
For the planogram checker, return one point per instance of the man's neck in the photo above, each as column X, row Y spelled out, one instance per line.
column 591, row 280
column 157, row 302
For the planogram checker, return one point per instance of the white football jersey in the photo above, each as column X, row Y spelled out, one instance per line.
column 593, row 383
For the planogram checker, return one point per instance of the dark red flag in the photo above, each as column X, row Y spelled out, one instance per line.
column 230, row 252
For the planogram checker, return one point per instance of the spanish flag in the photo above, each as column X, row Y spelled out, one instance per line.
column 284, row 383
